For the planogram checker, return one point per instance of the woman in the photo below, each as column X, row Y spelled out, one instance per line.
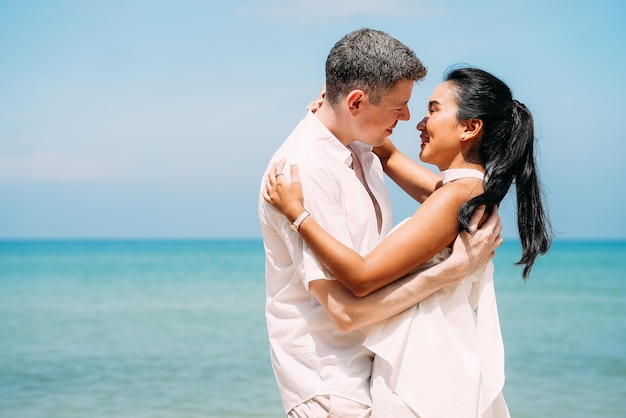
column 441, row 358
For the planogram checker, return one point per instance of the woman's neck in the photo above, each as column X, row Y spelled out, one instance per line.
column 463, row 164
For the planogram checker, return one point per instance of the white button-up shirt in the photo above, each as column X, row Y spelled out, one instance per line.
column 310, row 355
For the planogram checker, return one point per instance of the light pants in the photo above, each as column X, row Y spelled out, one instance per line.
column 330, row 406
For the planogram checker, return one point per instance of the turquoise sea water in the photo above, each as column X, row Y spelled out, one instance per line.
column 176, row 329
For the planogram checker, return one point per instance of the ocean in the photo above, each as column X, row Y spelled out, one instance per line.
column 176, row 329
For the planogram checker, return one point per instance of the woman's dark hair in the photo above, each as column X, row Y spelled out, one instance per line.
column 507, row 151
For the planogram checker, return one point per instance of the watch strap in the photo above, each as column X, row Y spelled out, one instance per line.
column 295, row 225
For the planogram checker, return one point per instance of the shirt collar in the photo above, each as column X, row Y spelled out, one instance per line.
column 331, row 143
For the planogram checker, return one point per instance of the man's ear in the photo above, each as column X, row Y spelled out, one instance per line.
column 355, row 100
column 473, row 129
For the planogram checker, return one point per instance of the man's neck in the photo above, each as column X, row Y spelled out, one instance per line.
column 334, row 122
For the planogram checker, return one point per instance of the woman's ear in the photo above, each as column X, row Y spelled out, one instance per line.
column 473, row 129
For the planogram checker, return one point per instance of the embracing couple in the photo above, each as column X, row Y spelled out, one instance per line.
column 366, row 320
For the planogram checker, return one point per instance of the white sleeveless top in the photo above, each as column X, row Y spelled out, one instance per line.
column 444, row 357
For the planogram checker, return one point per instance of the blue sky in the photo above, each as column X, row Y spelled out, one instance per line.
column 157, row 118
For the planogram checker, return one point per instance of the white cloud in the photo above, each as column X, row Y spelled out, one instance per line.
column 55, row 168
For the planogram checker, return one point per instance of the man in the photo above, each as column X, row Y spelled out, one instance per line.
column 319, row 362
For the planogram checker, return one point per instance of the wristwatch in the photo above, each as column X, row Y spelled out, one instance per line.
column 295, row 225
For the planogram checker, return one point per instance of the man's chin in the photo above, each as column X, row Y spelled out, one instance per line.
column 380, row 142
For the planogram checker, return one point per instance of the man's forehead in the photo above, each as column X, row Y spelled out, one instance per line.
column 401, row 93
column 397, row 99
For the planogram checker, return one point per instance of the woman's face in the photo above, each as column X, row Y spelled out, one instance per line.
column 440, row 129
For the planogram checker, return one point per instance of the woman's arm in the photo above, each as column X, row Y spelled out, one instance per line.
column 430, row 229
column 350, row 312
column 416, row 180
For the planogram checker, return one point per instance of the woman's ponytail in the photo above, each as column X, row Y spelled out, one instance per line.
column 532, row 221
column 507, row 151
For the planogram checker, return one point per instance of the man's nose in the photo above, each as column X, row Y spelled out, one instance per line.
column 405, row 114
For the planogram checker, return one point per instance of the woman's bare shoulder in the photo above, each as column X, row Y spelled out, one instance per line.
column 460, row 190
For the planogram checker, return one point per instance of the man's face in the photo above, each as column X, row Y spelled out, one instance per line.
column 376, row 122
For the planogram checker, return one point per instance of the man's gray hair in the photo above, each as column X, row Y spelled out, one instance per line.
column 370, row 60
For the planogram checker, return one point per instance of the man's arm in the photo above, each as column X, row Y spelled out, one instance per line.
column 469, row 252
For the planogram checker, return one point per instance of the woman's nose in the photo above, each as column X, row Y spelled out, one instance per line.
column 422, row 124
